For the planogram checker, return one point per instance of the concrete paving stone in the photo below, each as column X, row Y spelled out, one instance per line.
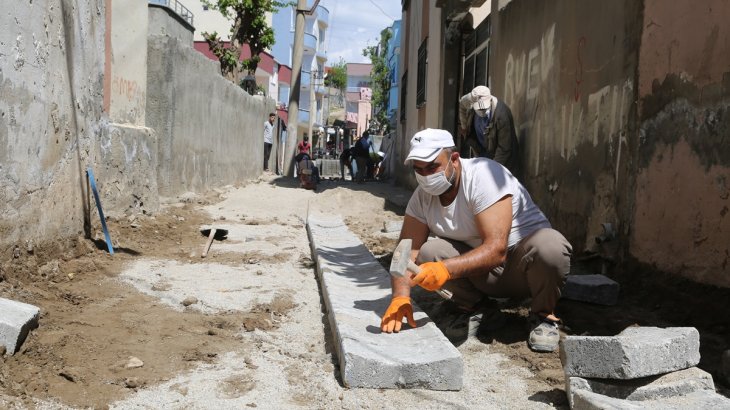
column 592, row 289
column 702, row 399
column 635, row 352
column 672, row 384
column 17, row 319
column 356, row 291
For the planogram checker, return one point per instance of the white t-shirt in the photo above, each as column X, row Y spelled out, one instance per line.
column 268, row 132
column 483, row 183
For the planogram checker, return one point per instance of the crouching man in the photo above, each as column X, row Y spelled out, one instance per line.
column 490, row 239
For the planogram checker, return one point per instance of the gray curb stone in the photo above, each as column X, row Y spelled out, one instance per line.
column 703, row 399
column 592, row 289
column 16, row 321
column 356, row 291
column 635, row 352
column 673, row 384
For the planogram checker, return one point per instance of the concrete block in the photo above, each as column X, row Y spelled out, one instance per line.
column 591, row 288
column 635, row 352
column 356, row 291
column 16, row 320
column 702, row 399
column 673, row 384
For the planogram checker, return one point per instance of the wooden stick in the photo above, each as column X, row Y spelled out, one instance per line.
column 207, row 244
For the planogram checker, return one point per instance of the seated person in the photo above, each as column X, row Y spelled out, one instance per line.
column 304, row 147
column 307, row 171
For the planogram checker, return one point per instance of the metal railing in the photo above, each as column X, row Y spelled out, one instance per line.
column 177, row 7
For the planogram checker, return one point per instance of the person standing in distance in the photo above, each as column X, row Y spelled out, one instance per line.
column 268, row 139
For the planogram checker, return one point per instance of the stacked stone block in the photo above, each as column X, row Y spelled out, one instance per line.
column 642, row 367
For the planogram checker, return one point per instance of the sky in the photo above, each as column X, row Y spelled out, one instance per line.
column 356, row 24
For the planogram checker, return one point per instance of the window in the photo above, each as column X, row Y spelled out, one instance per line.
column 421, row 79
column 403, row 95
column 476, row 62
column 205, row 7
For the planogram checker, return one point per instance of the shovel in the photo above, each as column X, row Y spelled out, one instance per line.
column 212, row 233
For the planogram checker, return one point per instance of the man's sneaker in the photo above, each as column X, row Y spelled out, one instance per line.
column 544, row 334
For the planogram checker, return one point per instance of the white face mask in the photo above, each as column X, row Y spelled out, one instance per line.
column 437, row 183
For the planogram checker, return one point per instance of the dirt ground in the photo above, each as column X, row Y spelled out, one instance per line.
column 92, row 327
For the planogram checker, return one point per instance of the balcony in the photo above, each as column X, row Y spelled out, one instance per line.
column 321, row 52
column 323, row 16
column 305, row 80
column 310, row 44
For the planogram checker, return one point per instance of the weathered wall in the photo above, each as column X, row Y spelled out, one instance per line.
column 681, row 222
column 60, row 78
column 127, row 150
column 51, row 72
column 127, row 72
column 422, row 20
column 210, row 132
column 166, row 22
column 567, row 70
column 126, row 169
column 622, row 111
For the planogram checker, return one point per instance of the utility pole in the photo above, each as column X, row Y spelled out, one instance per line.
column 296, row 85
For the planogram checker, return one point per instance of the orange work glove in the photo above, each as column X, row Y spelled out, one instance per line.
column 399, row 307
column 433, row 275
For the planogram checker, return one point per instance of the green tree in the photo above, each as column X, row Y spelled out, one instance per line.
column 380, row 76
column 337, row 77
column 249, row 27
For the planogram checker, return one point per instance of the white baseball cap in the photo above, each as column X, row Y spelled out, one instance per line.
column 426, row 144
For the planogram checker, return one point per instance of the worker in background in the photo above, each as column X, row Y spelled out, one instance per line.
column 486, row 126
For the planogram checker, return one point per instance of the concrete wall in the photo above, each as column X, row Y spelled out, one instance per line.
column 51, row 82
column 210, row 131
column 422, row 20
column 74, row 96
column 567, row 70
column 165, row 22
column 622, row 112
column 127, row 72
column 682, row 189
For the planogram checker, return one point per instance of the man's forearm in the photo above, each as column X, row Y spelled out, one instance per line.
column 477, row 261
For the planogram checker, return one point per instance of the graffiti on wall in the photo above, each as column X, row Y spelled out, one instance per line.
column 526, row 72
column 129, row 89
column 128, row 99
column 553, row 122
